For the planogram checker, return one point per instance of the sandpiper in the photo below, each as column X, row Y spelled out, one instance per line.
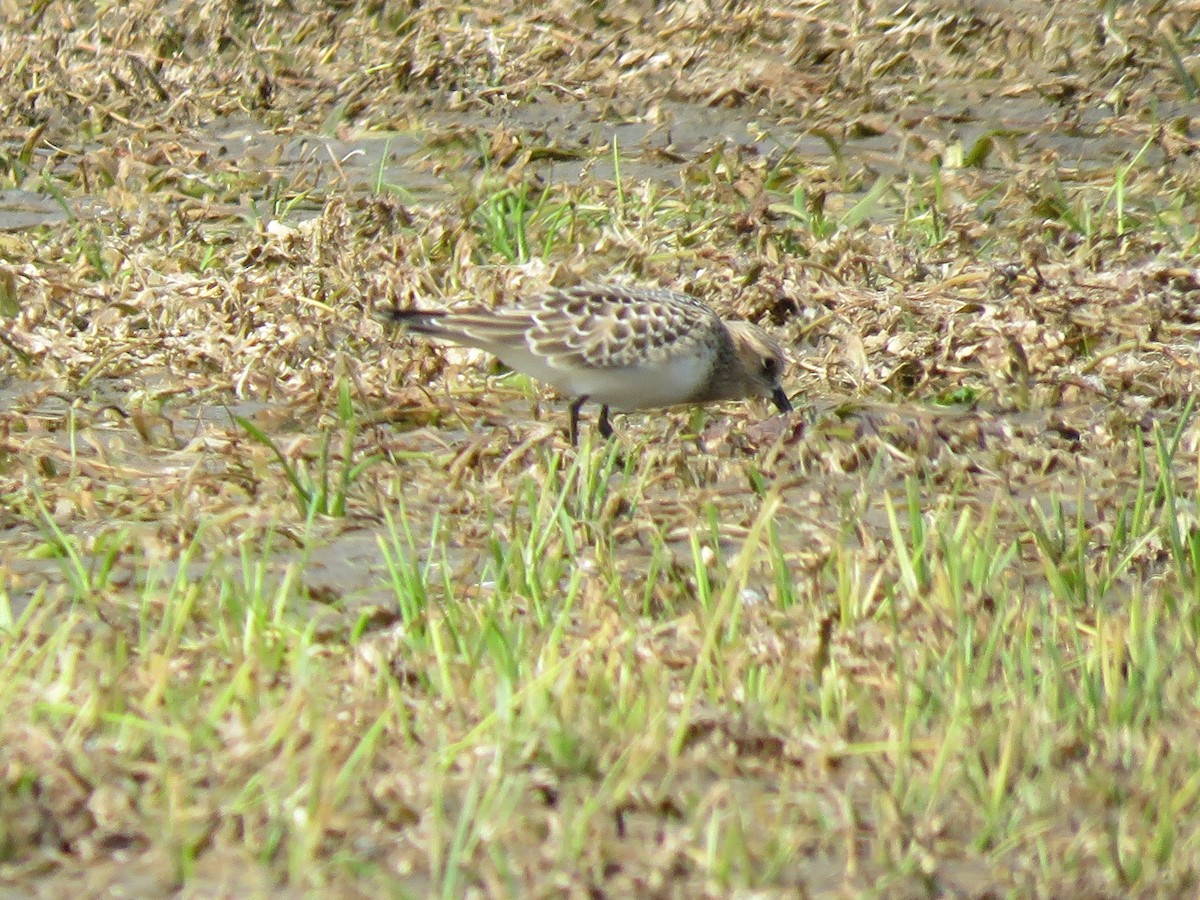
column 623, row 347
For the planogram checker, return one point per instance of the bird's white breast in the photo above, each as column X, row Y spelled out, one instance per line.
column 661, row 383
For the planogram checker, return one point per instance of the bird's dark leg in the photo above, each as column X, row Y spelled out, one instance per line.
column 605, row 429
column 575, row 407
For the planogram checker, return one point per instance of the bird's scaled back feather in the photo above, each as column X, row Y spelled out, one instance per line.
column 588, row 326
column 601, row 327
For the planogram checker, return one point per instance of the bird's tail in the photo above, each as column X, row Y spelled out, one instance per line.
column 417, row 320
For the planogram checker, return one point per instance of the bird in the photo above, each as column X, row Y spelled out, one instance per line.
column 624, row 347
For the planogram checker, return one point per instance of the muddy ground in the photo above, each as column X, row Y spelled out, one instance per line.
column 291, row 603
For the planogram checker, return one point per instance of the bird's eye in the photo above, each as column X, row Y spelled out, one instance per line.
column 770, row 367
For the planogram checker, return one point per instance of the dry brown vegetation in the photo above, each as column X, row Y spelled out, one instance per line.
column 289, row 604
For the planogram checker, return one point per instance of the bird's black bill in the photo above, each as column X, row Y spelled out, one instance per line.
column 780, row 399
